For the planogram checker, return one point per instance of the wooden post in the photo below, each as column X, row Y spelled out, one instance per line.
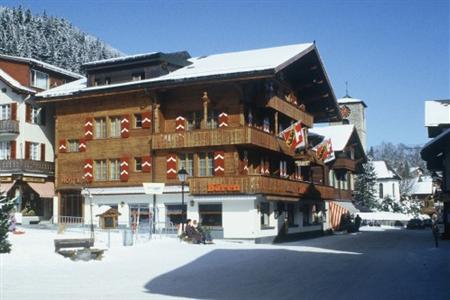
column 156, row 122
column 241, row 115
column 205, row 100
column 276, row 123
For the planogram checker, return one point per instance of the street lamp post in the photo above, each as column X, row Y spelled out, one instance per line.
column 182, row 176
column 85, row 192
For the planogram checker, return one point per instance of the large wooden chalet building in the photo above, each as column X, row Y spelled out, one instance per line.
column 142, row 118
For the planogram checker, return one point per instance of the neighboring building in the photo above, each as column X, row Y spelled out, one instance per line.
column 388, row 182
column 350, row 157
column 353, row 111
column 437, row 154
column 27, row 133
column 142, row 118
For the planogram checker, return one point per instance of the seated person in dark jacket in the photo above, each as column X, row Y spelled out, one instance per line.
column 206, row 236
column 192, row 233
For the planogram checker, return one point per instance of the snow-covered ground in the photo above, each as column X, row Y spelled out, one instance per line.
column 338, row 267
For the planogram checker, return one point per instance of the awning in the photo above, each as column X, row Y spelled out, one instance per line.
column 282, row 198
column 45, row 190
column 348, row 206
column 5, row 187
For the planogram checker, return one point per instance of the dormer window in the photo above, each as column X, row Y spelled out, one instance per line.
column 137, row 76
column 39, row 79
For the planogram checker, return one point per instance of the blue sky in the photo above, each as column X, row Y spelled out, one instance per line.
column 394, row 54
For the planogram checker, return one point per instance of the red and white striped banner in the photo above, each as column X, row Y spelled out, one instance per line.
column 125, row 126
column 88, row 129
column 147, row 119
column 335, row 212
column 171, row 166
column 62, row 146
column 180, row 123
column 82, row 145
column 88, row 170
column 124, row 169
column 146, row 164
column 223, row 120
column 219, row 163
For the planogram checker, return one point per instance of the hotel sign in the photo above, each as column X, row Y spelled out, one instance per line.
column 218, row 187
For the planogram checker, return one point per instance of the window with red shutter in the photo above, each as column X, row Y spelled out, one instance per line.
column 27, row 150
column 42, row 152
column 28, row 113
column 13, row 149
column 13, row 111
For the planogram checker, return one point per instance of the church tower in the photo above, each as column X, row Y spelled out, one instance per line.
column 353, row 112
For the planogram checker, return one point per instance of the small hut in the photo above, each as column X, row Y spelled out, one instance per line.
column 109, row 219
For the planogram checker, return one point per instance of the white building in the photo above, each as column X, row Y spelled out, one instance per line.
column 388, row 181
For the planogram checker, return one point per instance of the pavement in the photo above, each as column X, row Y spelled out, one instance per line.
column 392, row 264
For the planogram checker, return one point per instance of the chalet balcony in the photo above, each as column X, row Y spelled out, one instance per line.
column 344, row 163
column 220, row 137
column 257, row 184
column 19, row 166
column 291, row 110
column 9, row 129
column 340, row 194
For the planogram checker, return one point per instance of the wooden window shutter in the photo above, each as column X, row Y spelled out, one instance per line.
column 171, row 166
column 146, row 119
column 27, row 150
column 124, row 169
column 28, row 113
column 219, row 163
column 42, row 116
column 62, row 148
column 12, row 155
column 13, row 111
column 82, row 145
column 180, row 124
column 146, row 164
column 88, row 128
column 88, row 170
column 42, row 152
column 125, row 126
column 223, row 120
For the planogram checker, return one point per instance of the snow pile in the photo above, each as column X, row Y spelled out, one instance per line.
column 389, row 216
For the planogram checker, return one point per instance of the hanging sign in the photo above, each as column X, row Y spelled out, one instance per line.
column 153, row 188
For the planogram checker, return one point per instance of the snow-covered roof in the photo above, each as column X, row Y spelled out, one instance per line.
column 382, row 170
column 14, row 83
column 339, row 134
column 268, row 59
column 423, row 187
column 120, row 59
column 41, row 64
column 350, row 100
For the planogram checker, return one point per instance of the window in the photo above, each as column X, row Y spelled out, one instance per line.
column 138, row 164
column 210, row 214
column 331, row 178
column 291, row 215
column 137, row 76
column 34, row 151
column 283, row 168
column 206, row 166
column 39, row 79
column 137, row 121
column 73, row 146
column 100, row 128
column 114, row 169
column 380, row 190
column 173, row 213
column 36, row 117
column 107, row 80
column 5, row 112
column 114, row 127
column 194, row 120
column 213, row 119
column 187, row 162
column 100, row 170
column 265, row 213
column 5, row 150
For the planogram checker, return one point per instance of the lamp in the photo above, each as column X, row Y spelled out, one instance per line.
column 182, row 176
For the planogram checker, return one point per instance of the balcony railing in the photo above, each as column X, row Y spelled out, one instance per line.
column 344, row 163
column 17, row 166
column 220, row 137
column 257, row 184
column 290, row 110
column 9, row 127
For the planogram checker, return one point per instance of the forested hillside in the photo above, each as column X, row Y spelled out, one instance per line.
column 50, row 39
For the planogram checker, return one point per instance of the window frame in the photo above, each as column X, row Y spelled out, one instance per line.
column 114, row 126
column 103, row 128
column 33, row 78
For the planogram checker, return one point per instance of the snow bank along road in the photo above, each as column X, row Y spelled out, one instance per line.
column 392, row 264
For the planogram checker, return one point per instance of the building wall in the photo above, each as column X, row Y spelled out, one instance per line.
column 17, row 70
column 358, row 118
column 391, row 188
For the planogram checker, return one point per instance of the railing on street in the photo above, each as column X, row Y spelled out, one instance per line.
column 70, row 220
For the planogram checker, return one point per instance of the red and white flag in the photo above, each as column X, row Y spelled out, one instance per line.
column 324, row 151
column 294, row 136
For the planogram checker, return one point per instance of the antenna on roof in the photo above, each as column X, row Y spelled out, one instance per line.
column 346, row 90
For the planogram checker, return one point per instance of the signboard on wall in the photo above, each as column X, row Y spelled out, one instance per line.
column 153, row 188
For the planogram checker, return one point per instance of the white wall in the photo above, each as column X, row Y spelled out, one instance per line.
column 239, row 219
column 391, row 188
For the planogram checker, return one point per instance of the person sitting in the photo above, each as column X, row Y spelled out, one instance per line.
column 192, row 233
column 206, row 236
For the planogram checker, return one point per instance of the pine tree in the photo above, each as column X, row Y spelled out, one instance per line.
column 365, row 186
column 6, row 206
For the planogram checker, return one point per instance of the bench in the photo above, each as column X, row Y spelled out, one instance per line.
column 73, row 243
